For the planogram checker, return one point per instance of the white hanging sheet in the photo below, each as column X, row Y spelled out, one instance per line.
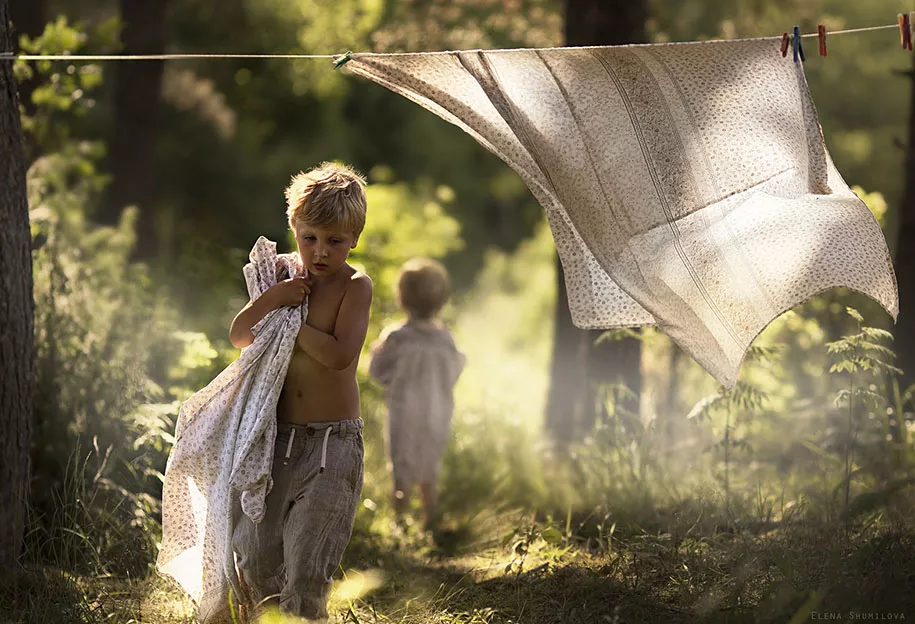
column 686, row 185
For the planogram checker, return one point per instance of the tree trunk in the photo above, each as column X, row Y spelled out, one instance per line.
column 905, row 263
column 16, row 313
column 579, row 366
column 570, row 408
column 605, row 22
column 137, row 87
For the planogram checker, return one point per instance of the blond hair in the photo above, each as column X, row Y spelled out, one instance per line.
column 330, row 194
column 422, row 287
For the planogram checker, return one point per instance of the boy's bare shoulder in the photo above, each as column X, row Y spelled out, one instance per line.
column 359, row 279
column 359, row 284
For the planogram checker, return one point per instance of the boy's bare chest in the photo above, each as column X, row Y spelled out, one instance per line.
column 324, row 305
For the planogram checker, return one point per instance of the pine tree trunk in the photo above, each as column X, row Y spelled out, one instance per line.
column 905, row 262
column 16, row 313
column 137, row 88
column 579, row 367
column 605, row 22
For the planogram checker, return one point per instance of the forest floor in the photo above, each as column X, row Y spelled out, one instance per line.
column 507, row 569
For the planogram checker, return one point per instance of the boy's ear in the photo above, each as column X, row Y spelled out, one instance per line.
column 355, row 240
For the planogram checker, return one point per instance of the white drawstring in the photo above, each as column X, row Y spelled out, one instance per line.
column 289, row 446
column 324, row 449
column 327, row 431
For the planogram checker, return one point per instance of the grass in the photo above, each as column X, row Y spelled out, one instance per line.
column 527, row 539
column 649, row 522
column 794, row 572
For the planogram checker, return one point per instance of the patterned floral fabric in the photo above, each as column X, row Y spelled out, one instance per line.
column 220, row 463
column 418, row 365
column 687, row 185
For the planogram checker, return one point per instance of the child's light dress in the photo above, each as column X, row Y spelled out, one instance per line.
column 418, row 365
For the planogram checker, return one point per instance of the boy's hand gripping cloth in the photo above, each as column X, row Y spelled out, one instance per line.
column 687, row 185
column 220, row 463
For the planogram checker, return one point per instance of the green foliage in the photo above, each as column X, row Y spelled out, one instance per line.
column 104, row 335
column 740, row 403
column 488, row 463
column 114, row 359
column 745, row 396
column 523, row 540
column 873, row 446
column 860, row 353
column 405, row 221
column 63, row 92
column 473, row 24
column 220, row 190
column 727, row 19
column 620, row 443
column 875, row 201
column 504, row 327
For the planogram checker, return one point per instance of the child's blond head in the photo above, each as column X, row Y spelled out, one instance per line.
column 331, row 194
column 422, row 287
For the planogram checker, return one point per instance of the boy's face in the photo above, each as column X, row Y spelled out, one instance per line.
column 323, row 250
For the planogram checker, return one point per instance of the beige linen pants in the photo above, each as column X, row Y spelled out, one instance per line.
column 290, row 557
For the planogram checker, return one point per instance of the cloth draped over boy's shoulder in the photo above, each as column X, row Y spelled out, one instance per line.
column 686, row 185
column 221, row 460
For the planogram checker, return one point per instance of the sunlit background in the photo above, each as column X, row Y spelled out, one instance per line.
column 767, row 502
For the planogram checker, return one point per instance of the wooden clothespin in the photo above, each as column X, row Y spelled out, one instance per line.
column 343, row 59
column 901, row 20
column 906, row 32
column 786, row 40
column 821, row 37
column 798, row 46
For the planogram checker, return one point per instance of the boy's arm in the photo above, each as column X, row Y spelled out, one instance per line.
column 288, row 292
column 338, row 350
column 458, row 361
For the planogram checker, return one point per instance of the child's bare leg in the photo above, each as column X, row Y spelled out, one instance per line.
column 430, row 501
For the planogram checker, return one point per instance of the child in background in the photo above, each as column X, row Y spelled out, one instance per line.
column 418, row 365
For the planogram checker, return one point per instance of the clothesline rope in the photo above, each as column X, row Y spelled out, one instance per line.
column 177, row 57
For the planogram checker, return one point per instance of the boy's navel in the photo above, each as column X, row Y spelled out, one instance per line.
column 298, row 393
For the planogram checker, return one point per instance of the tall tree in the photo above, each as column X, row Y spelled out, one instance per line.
column 905, row 260
column 137, row 88
column 579, row 366
column 16, row 311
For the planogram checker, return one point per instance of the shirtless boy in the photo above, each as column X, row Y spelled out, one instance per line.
column 290, row 557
